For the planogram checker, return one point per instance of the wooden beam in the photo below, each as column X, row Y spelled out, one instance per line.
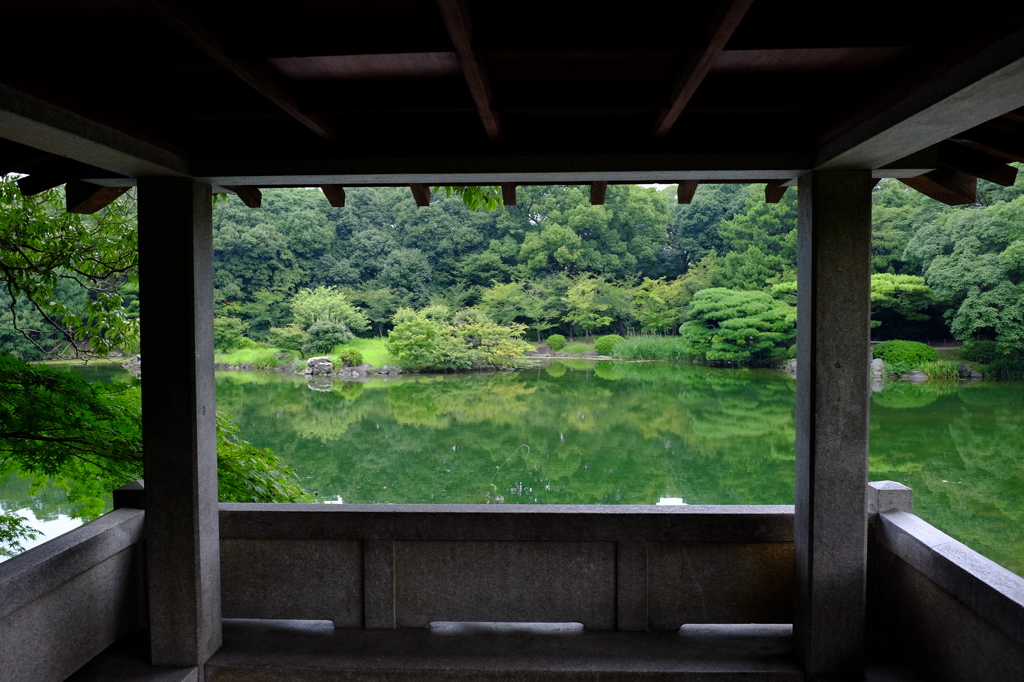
column 40, row 182
column 16, row 158
column 730, row 14
column 335, row 195
column 85, row 197
column 597, row 192
column 981, row 85
column 686, row 190
column 460, row 30
column 250, row 196
column 774, row 191
column 948, row 186
column 421, row 193
column 991, row 141
column 508, row 193
column 193, row 31
column 973, row 162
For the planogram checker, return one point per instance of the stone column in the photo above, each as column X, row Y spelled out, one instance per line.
column 833, row 342
column 179, row 420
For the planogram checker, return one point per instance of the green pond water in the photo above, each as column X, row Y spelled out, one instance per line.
column 583, row 433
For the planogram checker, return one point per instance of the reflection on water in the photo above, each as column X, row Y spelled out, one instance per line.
column 606, row 433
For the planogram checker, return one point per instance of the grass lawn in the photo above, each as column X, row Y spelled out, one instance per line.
column 373, row 351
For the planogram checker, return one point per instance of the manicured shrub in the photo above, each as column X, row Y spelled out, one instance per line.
column 903, row 356
column 980, row 351
column 349, row 357
column 606, row 344
column 322, row 337
column 556, row 342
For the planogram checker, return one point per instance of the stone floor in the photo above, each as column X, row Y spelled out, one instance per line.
column 265, row 651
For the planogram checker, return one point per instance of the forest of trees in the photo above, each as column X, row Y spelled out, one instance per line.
column 556, row 263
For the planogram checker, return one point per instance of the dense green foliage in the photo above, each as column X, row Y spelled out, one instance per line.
column 63, row 275
column 555, row 263
column 431, row 339
column 607, row 343
column 733, row 325
column 901, row 356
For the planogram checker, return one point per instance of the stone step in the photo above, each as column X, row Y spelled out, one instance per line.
column 313, row 651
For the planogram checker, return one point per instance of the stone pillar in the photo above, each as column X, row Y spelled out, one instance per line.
column 179, row 420
column 833, row 341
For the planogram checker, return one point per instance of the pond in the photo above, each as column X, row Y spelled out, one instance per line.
column 578, row 432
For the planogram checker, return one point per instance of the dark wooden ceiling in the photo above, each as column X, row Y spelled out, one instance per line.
column 261, row 92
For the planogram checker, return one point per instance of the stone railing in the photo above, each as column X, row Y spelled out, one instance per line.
column 954, row 613
column 609, row 568
column 67, row 600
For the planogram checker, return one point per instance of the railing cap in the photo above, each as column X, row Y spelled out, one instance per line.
column 888, row 496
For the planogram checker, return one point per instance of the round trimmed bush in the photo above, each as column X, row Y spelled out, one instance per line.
column 556, row 342
column 980, row 351
column 322, row 337
column 605, row 345
column 350, row 357
column 906, row 355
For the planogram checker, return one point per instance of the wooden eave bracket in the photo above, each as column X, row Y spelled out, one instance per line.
column 421, row 193
column 84, row 197
column 686, row 190
column 250, row 196
column 335, row 195
column 951, row 187
column 508, row 193
column 775, row 190
column 598, row 190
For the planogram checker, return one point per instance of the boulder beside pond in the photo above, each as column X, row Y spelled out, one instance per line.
column 914, row 377
column 319, row 366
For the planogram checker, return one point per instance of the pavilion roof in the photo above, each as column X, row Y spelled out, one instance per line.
column 260, row 93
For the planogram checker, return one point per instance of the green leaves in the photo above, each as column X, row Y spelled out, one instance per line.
column 42, row 246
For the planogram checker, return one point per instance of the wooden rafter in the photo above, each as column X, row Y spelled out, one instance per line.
column 726, row 22
column 774, row 191
column 973, row 162
column 993, row 141
column 250, row 196
column 421, row 193
column 335, row 195
column 85, row 197
column 193, row 31
column 460, row 30
column 597, row 192
column 686, row 190
column 508, row 193
column 948, row 186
